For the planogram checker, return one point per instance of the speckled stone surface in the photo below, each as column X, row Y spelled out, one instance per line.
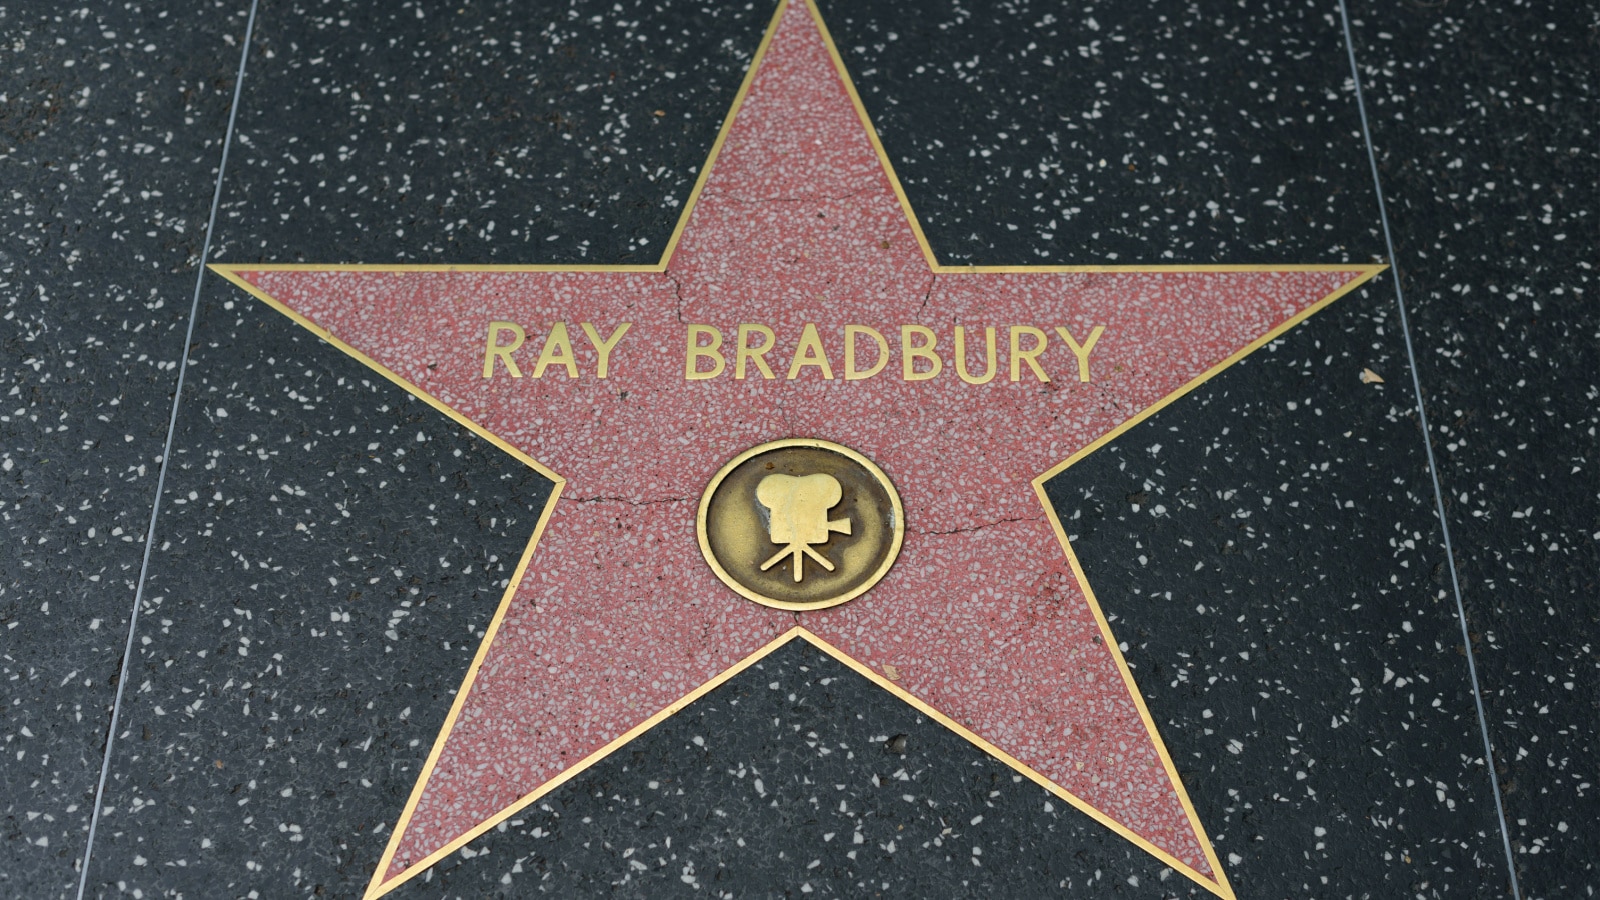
column 797, row 224
column 484, row 132
column 1317, row 701
column 111, row 120
column 1166, row 132
column 1484, row 119
column 509, row 112
column 331, row 553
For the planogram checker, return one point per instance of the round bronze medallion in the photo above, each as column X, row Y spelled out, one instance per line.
column 800, row 524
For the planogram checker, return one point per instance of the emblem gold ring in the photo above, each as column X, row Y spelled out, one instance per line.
column 800, row 524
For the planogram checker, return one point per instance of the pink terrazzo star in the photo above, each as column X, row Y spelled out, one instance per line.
column 616, row 620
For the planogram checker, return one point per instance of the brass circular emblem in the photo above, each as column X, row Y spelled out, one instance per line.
column 800, row 524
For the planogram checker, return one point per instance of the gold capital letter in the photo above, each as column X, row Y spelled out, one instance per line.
column 809, row 353
column 910, row 353
column 603, row 348
column 1081, row 351
column 757, row 355
column 851, row 373
column 961, row 356
column 1029, row 356
column 493, row 349
column 691, row 366
column 557, row 351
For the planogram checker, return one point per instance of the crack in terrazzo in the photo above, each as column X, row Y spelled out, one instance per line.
column 602, row 498
column 783, row 415
column 1111, row 400
column 927, row 295
column 978, row 527
column 677, row 291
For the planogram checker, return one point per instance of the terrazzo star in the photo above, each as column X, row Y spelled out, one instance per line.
column 981, row 622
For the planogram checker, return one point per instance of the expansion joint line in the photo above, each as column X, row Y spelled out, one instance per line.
column 1433, row 468
column 166, row 458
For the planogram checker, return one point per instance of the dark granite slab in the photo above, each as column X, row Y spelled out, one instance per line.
column 485, row 132
column 1484, row 117
column 1270, row 556
column 111, row 126
column 1032, row 134
column 330, row 554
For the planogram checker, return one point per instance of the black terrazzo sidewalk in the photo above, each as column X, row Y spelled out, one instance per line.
column 328, row 549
